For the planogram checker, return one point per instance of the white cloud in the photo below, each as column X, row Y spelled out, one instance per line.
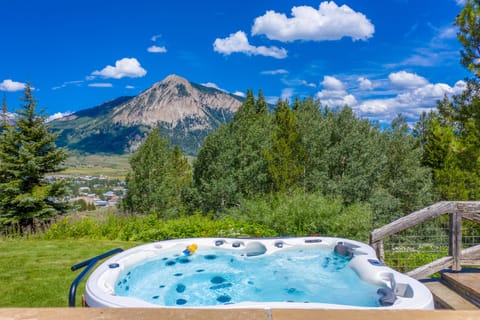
column 238, row 42
column 68, row 83
column 461, row 2
column 155, row 37
column 365, row 84
column 332, row 83
column 329, row 22
column 213, row 85
column 274, row 72
column 404, row 79
column 11, row 86
column 287, row 94
column 100, row 85
column 409, row 103
column 157, row 49
column 334, row 93
column 58, row 115
column 126, row 67
column 129, row 87
column 308, row 84
column 239, row 93
column 298, row 82
column 448, row 33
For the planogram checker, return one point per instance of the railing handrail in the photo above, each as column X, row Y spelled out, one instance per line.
column 411, row 220
column 89, row 263
column 422, row 215
column 457, row 210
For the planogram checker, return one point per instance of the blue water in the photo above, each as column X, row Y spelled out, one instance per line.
column 217, row 277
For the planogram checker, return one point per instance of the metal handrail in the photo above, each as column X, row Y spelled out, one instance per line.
column 90, row 263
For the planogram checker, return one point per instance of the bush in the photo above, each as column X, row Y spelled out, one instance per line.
column 301, row 214
column 150, row 228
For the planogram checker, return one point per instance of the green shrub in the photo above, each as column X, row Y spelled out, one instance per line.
column 150, row 228
column 301, row 214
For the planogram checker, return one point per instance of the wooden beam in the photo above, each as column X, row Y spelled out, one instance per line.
column 429, row 269
column 412, row 219
column 455, row 240
column 475, row 217
column 468, row 206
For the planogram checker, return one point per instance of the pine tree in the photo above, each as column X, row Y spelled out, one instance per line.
column 452, row 147
column 261, row 106
column 179, row 176
column 27, row 153
column 231, row 165
column 468, row 22
column 157, row 177
column 4, row 113
column 286, row 156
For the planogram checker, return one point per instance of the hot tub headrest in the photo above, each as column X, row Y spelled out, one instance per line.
column 387, row 297
column 343, row 250
column 255, row 249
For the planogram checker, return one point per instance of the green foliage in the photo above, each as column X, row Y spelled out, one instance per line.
column 231, row 165
column 27, row 153
column 286, row 155
column 158, row 176
column 301, row 214
column 452, row 145
column 150, row 228
column 468, row 22
column 404, row 184
column 314, row 149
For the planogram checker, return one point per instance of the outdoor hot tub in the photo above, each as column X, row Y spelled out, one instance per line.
column 305, row 272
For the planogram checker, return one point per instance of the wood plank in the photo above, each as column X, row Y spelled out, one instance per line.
column 129, row 314
column 305, row 314
column 466, row 283
column 231, row 314
column 446, row 298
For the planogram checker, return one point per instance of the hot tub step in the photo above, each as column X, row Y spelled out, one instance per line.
column 466, row 283
column 446, row 298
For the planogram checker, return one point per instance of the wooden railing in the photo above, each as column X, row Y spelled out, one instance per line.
column 457, row 257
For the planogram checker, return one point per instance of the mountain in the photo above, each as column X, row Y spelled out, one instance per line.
column 187, row 113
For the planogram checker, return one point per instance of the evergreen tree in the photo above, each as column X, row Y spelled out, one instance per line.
column 214, row 172
column 353, row 156
column 261, row 105
column 403, row 184
column 27, row 153
column 180, row 176
column 157, row 176
column 230, row 164
column 314, row 133
column 468, row 22
column 286, row 155
column 5, row 118
column 452, row 148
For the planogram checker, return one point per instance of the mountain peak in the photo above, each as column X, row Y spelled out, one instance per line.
column 185, row 111
column 172, row 100
column 174, row 78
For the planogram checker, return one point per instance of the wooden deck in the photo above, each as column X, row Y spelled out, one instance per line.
column 239, row 314
column 456, row 290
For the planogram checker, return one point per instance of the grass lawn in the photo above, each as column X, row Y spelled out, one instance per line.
column 36, row 273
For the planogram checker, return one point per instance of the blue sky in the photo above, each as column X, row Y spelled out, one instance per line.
column 381, row 58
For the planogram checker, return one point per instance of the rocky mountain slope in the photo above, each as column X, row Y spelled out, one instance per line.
column 187, row 113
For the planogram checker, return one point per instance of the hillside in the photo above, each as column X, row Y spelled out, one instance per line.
column 187, row 113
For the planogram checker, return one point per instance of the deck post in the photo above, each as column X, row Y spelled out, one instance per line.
column 455, row 239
